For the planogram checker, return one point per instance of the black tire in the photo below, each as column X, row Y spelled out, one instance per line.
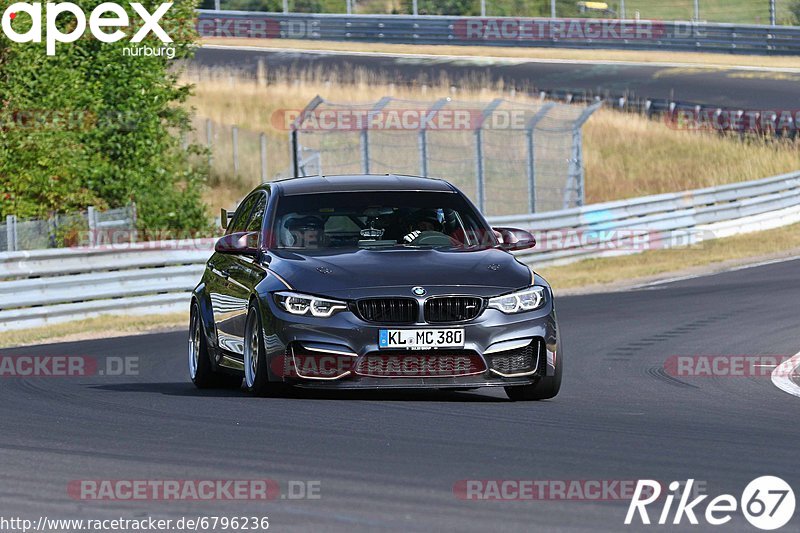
column 256, row 374
column 201, row 369
column 543, row 389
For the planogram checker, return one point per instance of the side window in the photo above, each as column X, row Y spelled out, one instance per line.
column 242, row 215
column 258, row 214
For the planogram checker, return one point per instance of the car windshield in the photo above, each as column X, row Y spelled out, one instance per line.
column 379, row 219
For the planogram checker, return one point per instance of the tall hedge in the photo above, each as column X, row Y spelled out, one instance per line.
column 93, row 126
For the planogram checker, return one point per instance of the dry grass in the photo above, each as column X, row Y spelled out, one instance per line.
column 689, row 58
column 626, row 155
column 761, row 245
column 105, row 327
column 629, row 156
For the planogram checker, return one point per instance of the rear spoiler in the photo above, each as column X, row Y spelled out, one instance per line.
column 224, row 217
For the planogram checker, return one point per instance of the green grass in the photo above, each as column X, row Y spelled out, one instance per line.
column 739, row 11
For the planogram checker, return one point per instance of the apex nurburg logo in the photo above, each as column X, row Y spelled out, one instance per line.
column 106, row 15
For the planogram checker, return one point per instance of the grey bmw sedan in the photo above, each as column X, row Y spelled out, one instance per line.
column 371, row 281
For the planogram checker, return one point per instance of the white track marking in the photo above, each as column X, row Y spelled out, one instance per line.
column 782, row 376
column 500, row 60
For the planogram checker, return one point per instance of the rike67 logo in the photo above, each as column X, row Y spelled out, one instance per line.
column 104, row 23
column 767, row 503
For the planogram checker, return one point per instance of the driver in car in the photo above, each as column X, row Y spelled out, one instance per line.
column 305, row 232
column 424, row 220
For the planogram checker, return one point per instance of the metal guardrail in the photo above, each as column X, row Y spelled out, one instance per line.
column 659, row 221
column 505, row 31
column 41, row 287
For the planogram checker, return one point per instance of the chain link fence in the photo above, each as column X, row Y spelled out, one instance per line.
column 238, row 156
column 509, row 157
column 89, row 228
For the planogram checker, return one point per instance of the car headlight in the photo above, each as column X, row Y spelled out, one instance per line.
column 517, row 302
column 304, row 304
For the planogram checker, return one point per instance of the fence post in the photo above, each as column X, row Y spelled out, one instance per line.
column 210, row 141
column 11, row 233
column 294, row 155
column 423, row 134
column 364, row 137
column 263, row 144
column 414, row 9
column 479, row 169
column 52, row 226
column 261, row 73
column 622, row 9
column 531, row 169
column 132, row 214
column 531, row 149
column 423, row 152
column 235, row 140
column 285, row 6
column 772, row 17
column 364, row 145
column 575, row 172
column 91, row 217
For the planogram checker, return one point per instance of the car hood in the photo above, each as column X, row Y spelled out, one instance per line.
column 358, row 273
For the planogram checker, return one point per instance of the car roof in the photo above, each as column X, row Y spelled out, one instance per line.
column 360, row 183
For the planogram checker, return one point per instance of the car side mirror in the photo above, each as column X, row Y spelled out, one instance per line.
column 514, row 239
column 240, row 242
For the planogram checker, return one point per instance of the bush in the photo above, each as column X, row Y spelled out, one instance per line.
column 92, row 126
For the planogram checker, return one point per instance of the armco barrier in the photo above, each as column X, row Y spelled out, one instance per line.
column 660, row 221
column 47, row 286
column 41, row 287
column 505, row 31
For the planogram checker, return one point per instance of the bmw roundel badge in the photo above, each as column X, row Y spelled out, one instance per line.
column 419, row 291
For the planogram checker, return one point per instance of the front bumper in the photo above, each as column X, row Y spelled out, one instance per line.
column 349, row 345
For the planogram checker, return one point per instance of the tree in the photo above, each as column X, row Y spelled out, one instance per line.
column 96, row 124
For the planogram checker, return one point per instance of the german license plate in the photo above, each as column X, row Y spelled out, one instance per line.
column 420, row 339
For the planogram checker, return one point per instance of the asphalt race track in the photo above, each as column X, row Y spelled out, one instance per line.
column 389, row 461
column 727, row 88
